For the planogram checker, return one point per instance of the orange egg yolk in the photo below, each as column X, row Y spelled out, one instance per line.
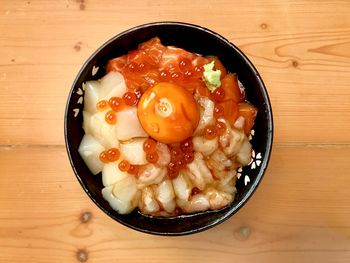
column 168, row 112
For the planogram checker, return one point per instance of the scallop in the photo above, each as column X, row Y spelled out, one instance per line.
column 133, row 152
column 123, row 196
column 96, row 125
column 91, row 95
column 128, row 125
column 112, row 85
column 111, row 174
column 90, row 149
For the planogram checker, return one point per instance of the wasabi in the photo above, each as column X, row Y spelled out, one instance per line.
column 211, row 77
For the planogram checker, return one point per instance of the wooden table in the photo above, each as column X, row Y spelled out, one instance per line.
column 300, row 213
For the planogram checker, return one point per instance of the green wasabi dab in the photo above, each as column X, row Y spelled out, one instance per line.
column 211, row 77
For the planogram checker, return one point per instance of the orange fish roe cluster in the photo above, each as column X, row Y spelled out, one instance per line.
column 117, row 104
column 110, row 155
column 180, row 156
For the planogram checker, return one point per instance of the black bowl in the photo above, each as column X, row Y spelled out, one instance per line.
column 195, row 39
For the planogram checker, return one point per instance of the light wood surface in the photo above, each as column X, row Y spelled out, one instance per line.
column 301, row 211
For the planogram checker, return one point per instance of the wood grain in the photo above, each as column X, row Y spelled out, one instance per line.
column 301, row 211
column 42, row 208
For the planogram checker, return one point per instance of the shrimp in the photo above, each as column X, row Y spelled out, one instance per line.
column 199, row 172
column 231, row 140
column 164, row 193
column 182, row 186
column 206, row 113
column 163, row 153
column 205, row 146
column 198, row 203
column 151, row 174
column 217, row 199
column 227, row 182
column 219, row 161
column 148, row 203
column 244, row 155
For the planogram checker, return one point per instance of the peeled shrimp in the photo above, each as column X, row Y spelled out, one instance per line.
column 182, row 186
column 148, row 203
column 217, row 199
column 227, row 182
column 204, row 146
column 164, row 193
column 199, row 172
column 244, row 155
column 163, row 153
column 206, row 113
column 198, row 203
column 219, row 161
column 151, row 174
column 231, row 140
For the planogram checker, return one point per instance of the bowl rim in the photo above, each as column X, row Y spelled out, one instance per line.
column 269, row 143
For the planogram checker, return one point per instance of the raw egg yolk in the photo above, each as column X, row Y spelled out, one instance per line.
column 168, row 112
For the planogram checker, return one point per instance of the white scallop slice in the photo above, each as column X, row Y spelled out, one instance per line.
column 133, row 152
column 111, row 174
column 128, row 125
column 112, row 85
column 91, row 95
column 97, row 126
column 90, row 149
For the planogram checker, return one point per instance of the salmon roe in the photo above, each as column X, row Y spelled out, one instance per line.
column 186, row 145
column 218, row 111
column 124, row 166
column 133, row 169
column 210, row 132
column 111, row 117
column 130, row 98
column 149, row 146
column 195, row 190
column 189, row 157
column 102, row 105
column 113, row 154
column 116, row 103
column 152, row 157
column 220, row 127
column 104, row 157
column 219, row 94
